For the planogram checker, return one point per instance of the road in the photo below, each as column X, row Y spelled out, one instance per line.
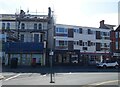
column 62, row 76
column 63, row 79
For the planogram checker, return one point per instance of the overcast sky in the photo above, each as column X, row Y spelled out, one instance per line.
column 72, row 12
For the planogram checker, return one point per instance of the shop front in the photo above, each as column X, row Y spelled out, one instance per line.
column 94, row 58
column 25, row 58
column 26, row 53
column 66, row 57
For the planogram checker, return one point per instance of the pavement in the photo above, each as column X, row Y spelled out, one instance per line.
column 57, row 69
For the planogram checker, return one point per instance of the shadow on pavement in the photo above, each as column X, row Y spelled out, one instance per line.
column 57, row 69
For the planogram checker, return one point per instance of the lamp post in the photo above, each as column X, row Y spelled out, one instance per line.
column 51, row 71
column 51, row 29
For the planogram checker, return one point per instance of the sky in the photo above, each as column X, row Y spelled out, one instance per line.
column 72, row 12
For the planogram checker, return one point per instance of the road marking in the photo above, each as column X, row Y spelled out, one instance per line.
column 12, row 77
column 105, row 82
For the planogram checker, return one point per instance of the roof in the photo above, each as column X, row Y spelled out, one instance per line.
column 118, row 28
column 110, row 26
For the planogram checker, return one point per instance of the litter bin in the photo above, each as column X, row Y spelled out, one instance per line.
column 14, row 63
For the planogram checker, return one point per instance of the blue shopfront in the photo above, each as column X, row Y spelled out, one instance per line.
column 25, row 52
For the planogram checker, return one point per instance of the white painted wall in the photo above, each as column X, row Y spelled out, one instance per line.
column 84, row 37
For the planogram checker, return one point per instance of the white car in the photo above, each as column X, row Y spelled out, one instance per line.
column 75, row 61
column 108, row 64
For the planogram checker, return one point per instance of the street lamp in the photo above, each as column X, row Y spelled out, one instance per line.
column 51, row 27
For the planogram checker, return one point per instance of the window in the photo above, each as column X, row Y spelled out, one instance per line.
column 116, row 34
column 75, row 42
column 61, row 30
column 98, row 35
column 22, row 26
column 35, row 26
column 84, row 48
column 80, row 30
column 22, row 38
column 80, row 42
column 89, row 43
column 36, row 37
column 85, row 43
column 105, row 44
column 107, row 38
column 76, row 30
column 3, row 25
column 40, row 26
column 116, row 44
column 61, row 43
column 92, row 43
column 119, row 34
column 8, row 26
column 98, row 46
column 90, row 31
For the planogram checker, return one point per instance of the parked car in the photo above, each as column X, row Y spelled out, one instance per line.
column 108, row 64
column 75, row 61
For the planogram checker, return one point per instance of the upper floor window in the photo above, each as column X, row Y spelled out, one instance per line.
column 35, row 26
column 76, row 30
column 61, row 30
column 84, row 48
column 90, row 31
column 8, row 26
column 89, row 43
column 36, row 37
column 116, row 44
column 40, row 26
column 116, row 34
column 80, row 30
column 119, row 34
column 80, row 42
column 22, row 26
column 61, row 43
column 22, row 38
column 105, row 33
column 3, row 25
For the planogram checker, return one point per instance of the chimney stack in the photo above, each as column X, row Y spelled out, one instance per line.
column 102, row 25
